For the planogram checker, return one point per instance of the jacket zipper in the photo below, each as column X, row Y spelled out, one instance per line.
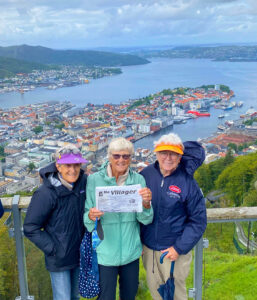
column 162, row 182
column 159, row 200
column 120, row 238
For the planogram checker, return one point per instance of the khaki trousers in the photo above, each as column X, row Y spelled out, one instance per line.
column 157, row 274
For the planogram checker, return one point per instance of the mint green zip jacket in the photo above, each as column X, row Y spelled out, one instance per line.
column 121, row 244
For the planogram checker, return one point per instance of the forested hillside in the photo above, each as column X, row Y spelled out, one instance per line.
column 10, row 67
column 234, row 176
column 70, row 57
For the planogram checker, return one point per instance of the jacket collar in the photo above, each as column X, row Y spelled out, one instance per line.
column 111, row 180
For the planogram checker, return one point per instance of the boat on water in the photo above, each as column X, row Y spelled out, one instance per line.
column 229, row 122
column 178, row 119
column 199, row 113
column 221, row 116
column 221, row 127
column 52, row 87
column 229, row 107
column 240, row 103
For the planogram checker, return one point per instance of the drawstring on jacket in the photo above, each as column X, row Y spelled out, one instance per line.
column 153, row 263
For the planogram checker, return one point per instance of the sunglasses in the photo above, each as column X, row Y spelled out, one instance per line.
column 68, row 151
column 118, row 156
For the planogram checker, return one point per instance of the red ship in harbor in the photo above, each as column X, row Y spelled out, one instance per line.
column 198, row 113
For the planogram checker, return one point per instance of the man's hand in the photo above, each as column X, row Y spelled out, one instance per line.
column 172, row 254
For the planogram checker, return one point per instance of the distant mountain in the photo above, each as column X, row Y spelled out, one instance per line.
column 219, row 53
column 10, row 67
column 70, row 57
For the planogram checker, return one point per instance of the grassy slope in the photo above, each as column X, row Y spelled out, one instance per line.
column 230, row 277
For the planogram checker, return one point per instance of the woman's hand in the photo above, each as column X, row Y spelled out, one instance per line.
column 146, row 195
column 172, row 254
column 94, row 213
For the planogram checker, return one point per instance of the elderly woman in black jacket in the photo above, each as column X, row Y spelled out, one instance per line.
column 54, row 220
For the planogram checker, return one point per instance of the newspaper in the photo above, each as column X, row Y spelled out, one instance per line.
column 119, row 198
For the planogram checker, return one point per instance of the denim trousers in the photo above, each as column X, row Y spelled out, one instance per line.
column 65, row 284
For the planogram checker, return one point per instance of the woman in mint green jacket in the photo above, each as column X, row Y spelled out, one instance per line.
column 119, row 252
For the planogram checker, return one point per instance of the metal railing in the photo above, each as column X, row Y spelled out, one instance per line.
column 214, row 215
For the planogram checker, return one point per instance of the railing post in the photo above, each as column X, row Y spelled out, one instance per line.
column 18, row 234
column 196, row 291
column 198, row 269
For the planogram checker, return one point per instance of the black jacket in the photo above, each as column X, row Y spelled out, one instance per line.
column 54, row 220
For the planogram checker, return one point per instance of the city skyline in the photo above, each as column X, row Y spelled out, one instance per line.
column 85, row 24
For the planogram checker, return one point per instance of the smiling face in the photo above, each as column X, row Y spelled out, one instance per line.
column 69, row 172
column 168, row 161
column 120, row 161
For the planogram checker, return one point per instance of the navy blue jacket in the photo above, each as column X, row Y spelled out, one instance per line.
column 54, row 220
column 178, row 204
column 1, row 209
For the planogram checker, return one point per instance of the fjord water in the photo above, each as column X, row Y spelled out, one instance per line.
column 161, row 73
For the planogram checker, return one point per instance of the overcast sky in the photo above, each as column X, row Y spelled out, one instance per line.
column 82, row 24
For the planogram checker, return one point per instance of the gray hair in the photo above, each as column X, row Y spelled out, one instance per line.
column 70, row 148
column 120, row 144
column 169, row 139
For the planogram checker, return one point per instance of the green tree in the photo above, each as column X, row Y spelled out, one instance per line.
column 237, row 177
column 180, row 91
column 204, row 179
column 59, row 126
column 232, row 146
column 31, row 166
column 2, row 151
column 38, row 129
column 229, row 158
column 250, row 199
column 216, row 167
column 224, row 88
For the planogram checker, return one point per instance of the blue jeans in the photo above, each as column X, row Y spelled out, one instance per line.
column 65, row 284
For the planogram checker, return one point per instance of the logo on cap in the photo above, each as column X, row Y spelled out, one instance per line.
column 175, row 189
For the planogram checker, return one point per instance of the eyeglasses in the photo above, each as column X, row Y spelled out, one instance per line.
column 165, row 154
column 118, row 156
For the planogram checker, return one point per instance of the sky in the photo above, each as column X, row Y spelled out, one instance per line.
column 78, row 24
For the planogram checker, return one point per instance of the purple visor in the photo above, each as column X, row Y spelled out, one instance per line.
column 71, row 158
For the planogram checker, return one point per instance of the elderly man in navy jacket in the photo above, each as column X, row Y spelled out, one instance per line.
column 179, row 213
column 54, row 220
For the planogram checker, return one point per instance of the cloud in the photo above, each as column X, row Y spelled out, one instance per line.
column 78, row 23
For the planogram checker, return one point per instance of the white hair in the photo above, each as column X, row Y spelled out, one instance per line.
column 169, row 139
column 66, row 149
column 120, row 144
